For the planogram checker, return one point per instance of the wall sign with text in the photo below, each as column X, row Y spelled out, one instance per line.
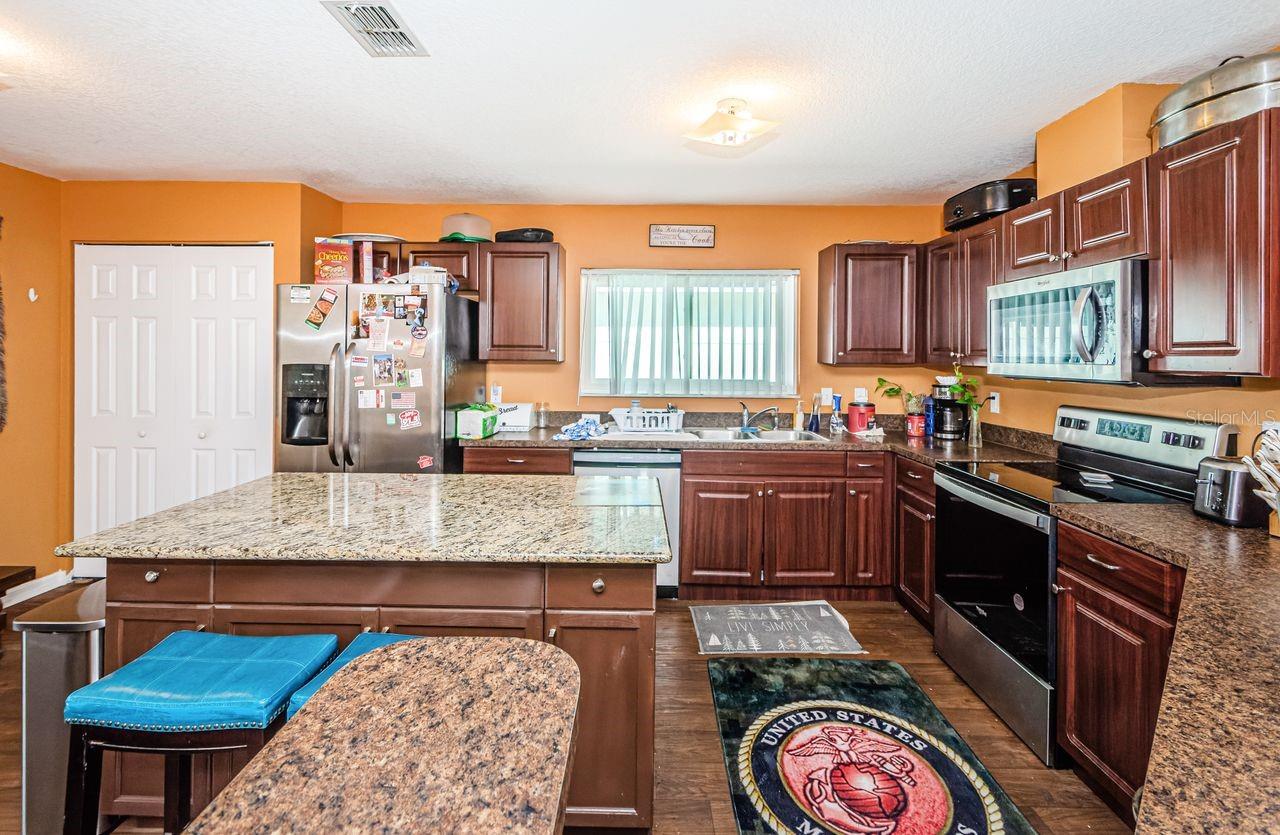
column 675, row 234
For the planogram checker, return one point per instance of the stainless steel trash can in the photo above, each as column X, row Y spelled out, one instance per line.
column 61, row 651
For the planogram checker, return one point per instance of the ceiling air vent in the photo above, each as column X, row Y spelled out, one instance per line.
column 376, row 27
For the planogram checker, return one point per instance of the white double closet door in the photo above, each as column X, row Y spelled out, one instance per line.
column 173, row 378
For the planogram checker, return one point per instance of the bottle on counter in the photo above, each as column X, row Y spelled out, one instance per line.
column 862, row 412
column 542, row 418
column 837, row 421
column 797, row 420
column 928, row 415
column 815, row 419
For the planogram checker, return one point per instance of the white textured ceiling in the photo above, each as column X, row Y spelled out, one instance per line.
column 881, row 101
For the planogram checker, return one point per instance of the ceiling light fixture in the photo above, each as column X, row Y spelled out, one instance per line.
column 731, row 124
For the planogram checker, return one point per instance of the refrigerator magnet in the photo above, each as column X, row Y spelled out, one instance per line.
column 401, row 372
column 415, row 378
column 359, row 361
column 399, row 307
column 321, row 309
column 357, row 381
column 367, row 399
column 419, row 346
column 404, row 399
column 399, row 344
column 382, row 370
column 391, row 418
column 425, row 461
column 410, row 419
column 379, row 329
column 299, row 295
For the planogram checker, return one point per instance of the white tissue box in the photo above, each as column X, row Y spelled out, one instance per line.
column 515, row 417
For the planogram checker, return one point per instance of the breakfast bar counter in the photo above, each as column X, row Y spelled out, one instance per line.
column 561, row 559
column 436, row 734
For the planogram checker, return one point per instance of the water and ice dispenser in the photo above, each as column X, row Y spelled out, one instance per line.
column 305, row 390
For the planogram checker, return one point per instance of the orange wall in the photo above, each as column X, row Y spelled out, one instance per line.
column 29, row 258
column 747, row 237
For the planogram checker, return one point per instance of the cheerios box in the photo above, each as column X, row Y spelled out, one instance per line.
column 479, row 420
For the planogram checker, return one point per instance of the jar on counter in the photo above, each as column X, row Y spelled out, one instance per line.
column 915, row 426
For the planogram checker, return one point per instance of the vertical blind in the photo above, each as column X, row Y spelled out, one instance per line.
column 689, row 333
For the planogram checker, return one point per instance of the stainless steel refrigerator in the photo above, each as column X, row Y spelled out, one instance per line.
column 368, row 375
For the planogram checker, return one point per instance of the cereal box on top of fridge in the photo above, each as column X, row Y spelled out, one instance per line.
column 335, row 263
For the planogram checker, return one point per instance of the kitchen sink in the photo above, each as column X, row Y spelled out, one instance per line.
column 774, row 435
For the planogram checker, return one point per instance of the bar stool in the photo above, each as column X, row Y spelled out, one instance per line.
column 362, row 643
column 192, row 693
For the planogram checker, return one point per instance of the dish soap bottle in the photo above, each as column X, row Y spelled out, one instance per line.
column 797, row 420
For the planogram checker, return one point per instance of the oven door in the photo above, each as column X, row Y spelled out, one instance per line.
column 1077, row 325
column 995, row 563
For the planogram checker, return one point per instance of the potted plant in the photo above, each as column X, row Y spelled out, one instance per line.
column 965, row 392
column 912, row 404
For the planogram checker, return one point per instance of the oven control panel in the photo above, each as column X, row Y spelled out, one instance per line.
column 1173, row 442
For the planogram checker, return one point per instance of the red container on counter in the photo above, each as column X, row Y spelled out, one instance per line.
column 915, row 426
column 862, row 416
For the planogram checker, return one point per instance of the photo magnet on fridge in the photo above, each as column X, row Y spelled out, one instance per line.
column 401, row 372
column 415, row 378
column 382, row 375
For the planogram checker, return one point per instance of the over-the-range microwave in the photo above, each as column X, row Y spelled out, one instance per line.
column 1085, row 324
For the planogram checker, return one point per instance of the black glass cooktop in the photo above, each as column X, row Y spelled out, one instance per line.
column 1042, row 484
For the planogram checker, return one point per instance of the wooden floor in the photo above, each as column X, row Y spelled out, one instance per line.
column 692, row 793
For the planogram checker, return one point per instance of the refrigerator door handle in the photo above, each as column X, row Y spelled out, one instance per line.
column 333, row 403
column 346, row 404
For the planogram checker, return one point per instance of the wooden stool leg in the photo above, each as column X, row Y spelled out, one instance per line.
column 84, row 781
column 177, row 792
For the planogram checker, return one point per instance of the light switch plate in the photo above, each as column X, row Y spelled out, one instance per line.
column 826, row 397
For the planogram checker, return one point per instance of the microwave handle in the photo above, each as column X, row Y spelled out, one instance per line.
column 1077, row 323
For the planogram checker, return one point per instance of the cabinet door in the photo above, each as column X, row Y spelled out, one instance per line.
column 721, row 531
column 868, row 552
column 460, row 259
column 1105, row 218
column 493, row 623
column 133, row 784
column 521, row 302
column 804, row 533
column 1209, row 300
column 612, row 779
column 344, row 621
column 915, row 554
column 980, row 268
column 867, row 304
column 1033, row 239
column 942, row 302
column 1112, row 658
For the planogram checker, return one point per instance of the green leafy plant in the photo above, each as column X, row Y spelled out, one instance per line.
column 912, row 402
column 965, row 390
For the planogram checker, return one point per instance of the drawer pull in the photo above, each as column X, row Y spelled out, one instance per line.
column 1108, row 566
column 200, row 627
column 384, row 630
column 551, row 634
column 515, row 460
column 916, row 476
column 151, row 576
column 866, row 466
column 597, row 585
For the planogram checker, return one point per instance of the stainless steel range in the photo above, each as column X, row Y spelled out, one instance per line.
column 994, row 609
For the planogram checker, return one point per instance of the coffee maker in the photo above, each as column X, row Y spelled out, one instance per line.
column 950, row 418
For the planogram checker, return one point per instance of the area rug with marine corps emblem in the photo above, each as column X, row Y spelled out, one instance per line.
column 823, row 746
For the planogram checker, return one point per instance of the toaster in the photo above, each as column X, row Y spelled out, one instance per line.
column 1224, row 493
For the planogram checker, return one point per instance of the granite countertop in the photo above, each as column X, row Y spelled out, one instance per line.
column 403, row 517
column 1215, row 763
column 434, row 734
column 924, row 450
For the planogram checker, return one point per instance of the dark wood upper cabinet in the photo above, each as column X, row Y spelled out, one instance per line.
column 867, row 527
column 1212, row 300
column 462, row 260
column 522, row 302
column 980, row 266
column 1105, row 218
column 721, row 531
column 1033, row 239
column 804, row 533
column 867, row 300
column 943, row 301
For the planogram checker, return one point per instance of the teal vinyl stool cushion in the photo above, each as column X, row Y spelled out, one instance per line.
column 203, row 681
column 364, row 642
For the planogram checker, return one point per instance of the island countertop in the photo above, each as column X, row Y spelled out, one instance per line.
column 433, row 734
column 403, row 518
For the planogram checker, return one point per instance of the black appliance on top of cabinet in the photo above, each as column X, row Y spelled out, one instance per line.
column 995, row 615
column 974, row 205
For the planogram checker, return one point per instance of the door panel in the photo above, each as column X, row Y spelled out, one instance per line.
column 868, row 543
column 1106, row 217
column 521, row 314
column 1033, row 239
column 914, row 542
column 981, row 268
column 497, row 623
column 721, row 531
column 942, row 302
column 872, row 314
column 611, row 783
column 1209, row 311
column 803, row 533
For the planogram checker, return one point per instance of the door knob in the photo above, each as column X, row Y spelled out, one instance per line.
column 1150, row 354
column 142, row 433
column 202, row 435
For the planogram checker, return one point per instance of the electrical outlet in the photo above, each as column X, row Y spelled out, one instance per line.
column 994, row 405
column 495, row 393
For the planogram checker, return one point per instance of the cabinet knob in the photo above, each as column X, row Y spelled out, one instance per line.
column 597, row 585
column 1053, row 259
column 551, row 350
column 928, row 517
column 853, row 492
column 769, row 491
column 840, row 353
column 142, row 433
column 759, row 492
column 1067, row 255
column 151, row 576
column 1057, row 589
column 1150, row 354
column 551, row 634
column 202, row 435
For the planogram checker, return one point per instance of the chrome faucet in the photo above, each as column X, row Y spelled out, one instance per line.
column 748, row 418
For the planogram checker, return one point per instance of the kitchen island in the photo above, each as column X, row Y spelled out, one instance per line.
column 563, row 559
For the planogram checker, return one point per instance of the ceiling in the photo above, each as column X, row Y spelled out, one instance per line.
column 881, row 101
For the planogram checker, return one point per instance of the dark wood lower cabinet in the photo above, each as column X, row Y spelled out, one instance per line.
column 867, row 533
column 913, row 540
column 721, row 531
column 612, row 779
column 803, row 533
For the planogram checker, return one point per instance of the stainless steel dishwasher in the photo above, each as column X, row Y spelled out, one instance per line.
column 61, row 652
column 662, row 464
